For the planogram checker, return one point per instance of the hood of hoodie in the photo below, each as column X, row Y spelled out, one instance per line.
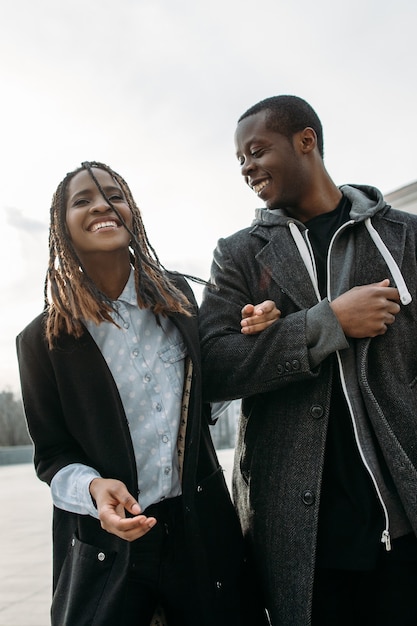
column 366, row 202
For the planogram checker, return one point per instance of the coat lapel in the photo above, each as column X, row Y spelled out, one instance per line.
column 283, row 263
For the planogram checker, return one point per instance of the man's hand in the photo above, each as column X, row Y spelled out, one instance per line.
column 256, row 318
column 113, row 500
column 368, row 310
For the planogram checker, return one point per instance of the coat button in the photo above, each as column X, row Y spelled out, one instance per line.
column 317, row 411
column 218, row 584
column 308, row 497
column 280, row 369
column 295, row 364
column 101, row 556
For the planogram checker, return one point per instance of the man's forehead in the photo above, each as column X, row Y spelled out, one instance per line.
column 252, row 127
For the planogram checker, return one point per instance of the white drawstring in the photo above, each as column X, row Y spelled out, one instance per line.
column 308, row 259
column 306, row 256
column 405, row 295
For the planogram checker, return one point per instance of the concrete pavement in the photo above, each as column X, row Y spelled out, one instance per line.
column 25, row 544
column 25, row 547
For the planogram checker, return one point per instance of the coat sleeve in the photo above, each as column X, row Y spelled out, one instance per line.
column 54, row 446
column 237, row 365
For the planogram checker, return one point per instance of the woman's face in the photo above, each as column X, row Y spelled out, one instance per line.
column 93, row 226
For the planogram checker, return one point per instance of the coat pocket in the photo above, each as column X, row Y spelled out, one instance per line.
column 81, row 583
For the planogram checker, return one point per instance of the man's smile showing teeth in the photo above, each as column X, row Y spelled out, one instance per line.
column 258, row 188
column 99, row 225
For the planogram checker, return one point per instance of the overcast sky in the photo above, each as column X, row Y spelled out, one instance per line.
column 154, row 89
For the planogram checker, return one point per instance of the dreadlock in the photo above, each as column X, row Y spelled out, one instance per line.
column 70, row 294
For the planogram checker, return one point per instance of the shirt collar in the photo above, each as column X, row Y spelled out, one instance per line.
column 128, row 295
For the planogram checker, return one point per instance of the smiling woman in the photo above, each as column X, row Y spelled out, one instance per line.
column 90, row 210
column 99, row 222
column 89, row 196
column 111, row 383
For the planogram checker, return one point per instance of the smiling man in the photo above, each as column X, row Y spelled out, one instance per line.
column 325, row 476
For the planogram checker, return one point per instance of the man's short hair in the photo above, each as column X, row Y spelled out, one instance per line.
column 288, row 115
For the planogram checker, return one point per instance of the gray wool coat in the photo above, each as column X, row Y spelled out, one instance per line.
column 284, row 376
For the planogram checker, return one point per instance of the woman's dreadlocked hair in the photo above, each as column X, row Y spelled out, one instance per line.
column 73, row 296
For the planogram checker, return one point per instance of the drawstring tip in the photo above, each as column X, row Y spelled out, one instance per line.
column 405, row 298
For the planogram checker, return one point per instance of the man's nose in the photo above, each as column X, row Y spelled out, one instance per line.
column 247, row 166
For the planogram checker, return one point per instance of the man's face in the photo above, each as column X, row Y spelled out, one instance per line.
column 270, row 162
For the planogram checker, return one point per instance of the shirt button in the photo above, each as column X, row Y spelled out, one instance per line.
column 158, row 407
column 165, row 439
column 147, row 378
column 167, row 471
column 135, row 352
column 126, row 325
column 101, row 556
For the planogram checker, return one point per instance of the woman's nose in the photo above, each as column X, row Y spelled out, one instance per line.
column 100, row 206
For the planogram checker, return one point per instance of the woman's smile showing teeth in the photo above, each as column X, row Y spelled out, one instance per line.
column 100, row 225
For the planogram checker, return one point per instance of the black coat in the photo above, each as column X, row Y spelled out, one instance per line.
column 75, row 415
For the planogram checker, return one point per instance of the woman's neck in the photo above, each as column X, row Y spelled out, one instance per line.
column 108, row 274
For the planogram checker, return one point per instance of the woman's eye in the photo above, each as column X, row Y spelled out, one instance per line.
column 80, row 202
column 116, row 198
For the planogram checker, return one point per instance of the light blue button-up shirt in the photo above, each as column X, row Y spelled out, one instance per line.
column 147, row 364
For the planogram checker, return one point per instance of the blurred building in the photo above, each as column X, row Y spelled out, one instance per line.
column 404, row 198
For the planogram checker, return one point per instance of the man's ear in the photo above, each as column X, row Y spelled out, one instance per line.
column 307, row 139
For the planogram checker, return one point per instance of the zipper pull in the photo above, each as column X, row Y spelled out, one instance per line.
column 387, row 540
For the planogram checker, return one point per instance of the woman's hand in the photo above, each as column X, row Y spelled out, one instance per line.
column 113, row 500
column 255, row 318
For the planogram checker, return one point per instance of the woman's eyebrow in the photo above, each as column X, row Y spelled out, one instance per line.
column 85, row 192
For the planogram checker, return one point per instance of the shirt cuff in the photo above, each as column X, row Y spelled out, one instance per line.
column 70, row 489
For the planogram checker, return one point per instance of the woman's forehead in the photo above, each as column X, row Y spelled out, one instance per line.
column 84, row 176
column 84, row 181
